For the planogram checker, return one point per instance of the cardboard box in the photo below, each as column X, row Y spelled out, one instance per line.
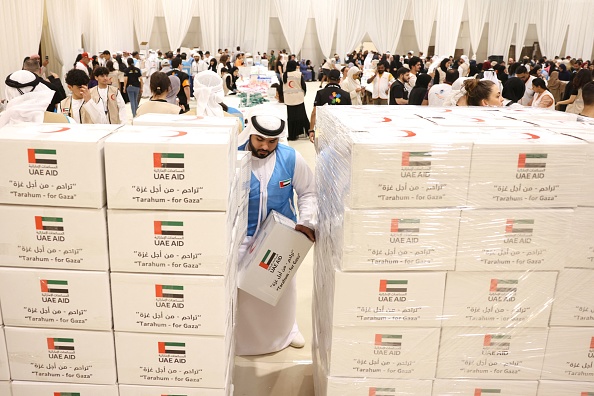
column 491, row 353
column 172, row 360
column 513, row 240
column 523, row 169
column 61, row 238
column 171, row 304
column 85, row 357
column 581, row 254
column 4, row 371
column 384, row 352
column 53, row 165
column 570, row 354
column 5, row 388
column 273, row 258
column 574, row 298
column 484, row 388
column 415, row 168
column 409, row 299
column 132, row 390
column 56, row 299
column 22, row 388
column 185, row 120
column 377, row 387
column 187, row 243
column 394, row 240
column 499, row 299
column 170, row 168
column 556, row 388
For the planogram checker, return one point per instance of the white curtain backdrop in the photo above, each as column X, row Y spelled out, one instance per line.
column 384, row 23
column 20, row 28
column 551, row 26
column 580, row 38
column 447, row 31
column 110, row 31
column 257, row 27
column 178, row 15
column 424, row 12
column 325, row 13
column 210, row 14
column 143, row 12
column 351, row 25
column 233, row 22
column 293, row 17
column 501, row 27
column 478, row 11
column 524, row 11
column 65, row 28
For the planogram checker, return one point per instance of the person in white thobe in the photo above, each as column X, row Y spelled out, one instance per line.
column 262, row 328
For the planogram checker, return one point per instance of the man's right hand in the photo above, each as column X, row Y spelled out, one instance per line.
column 84, row 91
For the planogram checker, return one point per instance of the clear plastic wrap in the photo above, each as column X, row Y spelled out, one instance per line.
column 500, row 238
column 557, row 388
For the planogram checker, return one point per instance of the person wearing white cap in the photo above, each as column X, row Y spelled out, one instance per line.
column 277, row 172
column 27, row 100
column 209, row 93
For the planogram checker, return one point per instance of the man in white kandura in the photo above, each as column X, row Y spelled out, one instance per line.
column 263, row 328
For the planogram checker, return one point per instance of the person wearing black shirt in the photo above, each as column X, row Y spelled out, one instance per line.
column 133, row 85
column 331, row 94
column 398, row 94
column 184, row 79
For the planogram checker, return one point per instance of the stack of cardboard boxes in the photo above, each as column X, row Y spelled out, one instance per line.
column 54, row 280
column 174, row 236
column 459, row 235
column 177, row 201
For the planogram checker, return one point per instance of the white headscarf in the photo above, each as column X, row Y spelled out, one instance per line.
column 350, row 84
column 457, row 92
column 268, row 117
column 26, row 103
column 208, row 91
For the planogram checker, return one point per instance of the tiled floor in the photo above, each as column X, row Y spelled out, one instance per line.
column 288, row 372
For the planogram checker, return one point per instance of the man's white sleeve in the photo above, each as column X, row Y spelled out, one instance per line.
column 122, row 107
column 305, row 187
column 96, row 112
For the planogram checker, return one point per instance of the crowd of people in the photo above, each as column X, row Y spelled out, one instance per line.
column 101, row 85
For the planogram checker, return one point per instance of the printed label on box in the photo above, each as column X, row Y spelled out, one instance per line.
column 61, row 355
column 399, row 240
column 499, row 299
column 513, row 240
column 484, row 388
column 570, row 354
column 22, row 388
column 574, row 298
column 384, row 352
column 377, row 387
column 170, row 304
column 496, row 353
column 60, row 238
column 401, row 299
column 56, row 299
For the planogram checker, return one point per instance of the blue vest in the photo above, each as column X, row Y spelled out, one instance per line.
column 279, row 190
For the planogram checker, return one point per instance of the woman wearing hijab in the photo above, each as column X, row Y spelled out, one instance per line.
column 352, row 85
column 513, row 91
column 173, row 90
column 417, row 94
column 564, row 75
column 556, row 86
column 212, row 66
column 294, row 90
column 440, row 74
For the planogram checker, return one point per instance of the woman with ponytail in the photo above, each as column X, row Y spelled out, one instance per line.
column 160, row 87
column 482, row 93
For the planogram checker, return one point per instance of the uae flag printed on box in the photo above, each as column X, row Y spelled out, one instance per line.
column 54, row 286
column 393, row 286
column 486, row 392
column 169, row 291
column 532, row 160
column 168, row 160
column 60, row 344
column 169, row 228
column 42, row 156
column 405, row 225
column 49, row 223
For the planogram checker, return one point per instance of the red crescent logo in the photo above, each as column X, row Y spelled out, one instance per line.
column 64, row 129
column 112, row 97
column 409, row 133
column 447, row 111
column 386, row 119
column 290, row 86
column 179, row 133
column 478, row 120
column 532, row 136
